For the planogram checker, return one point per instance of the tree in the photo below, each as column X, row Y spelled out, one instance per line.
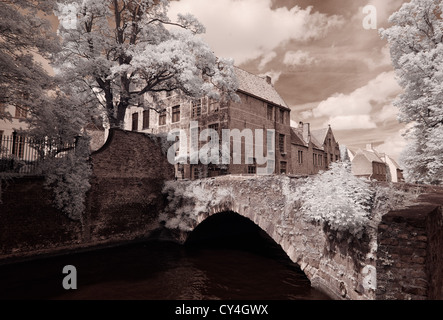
column 119, row 50
column 25, row 34
column 337, row 198
column 416, row 42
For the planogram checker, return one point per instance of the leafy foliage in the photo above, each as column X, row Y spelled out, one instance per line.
column 68, row 176
column 119, row 50
column 416, row 41
column 338, row 198
column 25, row 36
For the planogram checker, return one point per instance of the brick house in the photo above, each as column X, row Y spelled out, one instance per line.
column 260, row 108
column 312, row 151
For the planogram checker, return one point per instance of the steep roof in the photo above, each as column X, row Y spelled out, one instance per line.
column 258, row 86
column 320, row 134
column 371, row 156
column 297, row 137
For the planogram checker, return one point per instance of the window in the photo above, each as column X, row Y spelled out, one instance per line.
column 314, row 159
column 214, row 127
column 252, row 169
column 145, row 119
column 283, row 167
column 282, row 116
column 281, row 143
column 196, row 108
column 18, row 146
column 195, row 173
column 162, row 118
column 176, row 114
column 320, row 160
column 300, row 156
column 21, row 112
column 212, row 106
column 270, row 113
column 135, row 121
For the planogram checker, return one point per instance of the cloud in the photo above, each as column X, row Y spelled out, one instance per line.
column 275, row 75
column 298, row 58
column 394, row 144
column 378, row 59
column 359, row 121
column 266, row 59
column 352, row 111
column 247, row 29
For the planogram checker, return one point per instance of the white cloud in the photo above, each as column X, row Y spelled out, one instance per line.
column 298, row 58
column 378, row 59
column 266, row 59
column 353, row 111
column 388, row 112
column 247, row 29
column 393, row 144
column 275, row 75
column 293, row 124
column 359, row 121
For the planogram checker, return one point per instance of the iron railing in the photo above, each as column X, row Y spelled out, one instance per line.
column 21, row 154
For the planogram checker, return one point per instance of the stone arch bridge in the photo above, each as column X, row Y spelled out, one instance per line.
column 399, row 256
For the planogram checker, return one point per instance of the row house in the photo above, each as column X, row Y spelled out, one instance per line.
column 312, row 151
column 260, row 108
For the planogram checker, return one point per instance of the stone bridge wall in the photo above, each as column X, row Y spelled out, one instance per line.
column 398, row 257
column 342, row 269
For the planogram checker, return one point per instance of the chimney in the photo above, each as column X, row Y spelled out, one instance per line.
column 269, row 80
column 369, row 147
column 306, row 132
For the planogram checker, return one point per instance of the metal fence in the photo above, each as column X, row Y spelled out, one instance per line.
column 21, row 154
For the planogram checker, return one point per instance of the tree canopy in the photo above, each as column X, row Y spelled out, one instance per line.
column 118, row 50
column 416, row 42
column 25, row 34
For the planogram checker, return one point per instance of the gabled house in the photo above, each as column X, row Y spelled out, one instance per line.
column 371, row 164
column 312, row 150
column 383, row 168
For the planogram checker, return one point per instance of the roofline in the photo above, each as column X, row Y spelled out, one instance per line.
column 267, row 101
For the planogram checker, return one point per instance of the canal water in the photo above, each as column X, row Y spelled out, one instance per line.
column 241, row 265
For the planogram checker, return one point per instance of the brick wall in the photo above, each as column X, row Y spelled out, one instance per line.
column 410, row 254
column 122, row 204
column 29, row 223
column 125, row 196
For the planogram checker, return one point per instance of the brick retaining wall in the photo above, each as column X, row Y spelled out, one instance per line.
column 122, row 204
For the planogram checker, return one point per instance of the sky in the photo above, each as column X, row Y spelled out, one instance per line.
column 325, row 60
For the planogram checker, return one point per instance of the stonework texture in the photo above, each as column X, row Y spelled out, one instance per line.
column 397, row 258
column 122, row 204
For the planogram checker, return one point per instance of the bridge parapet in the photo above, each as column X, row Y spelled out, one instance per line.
column 340, row 264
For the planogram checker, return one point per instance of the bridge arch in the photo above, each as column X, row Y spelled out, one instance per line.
column 268, row 202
